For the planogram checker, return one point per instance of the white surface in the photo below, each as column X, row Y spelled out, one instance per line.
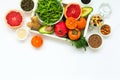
column 57, row 60
column 70, row 1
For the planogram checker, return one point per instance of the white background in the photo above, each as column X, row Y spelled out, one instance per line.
column 58, row 60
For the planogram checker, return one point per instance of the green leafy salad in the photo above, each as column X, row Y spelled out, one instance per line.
column 49, row 11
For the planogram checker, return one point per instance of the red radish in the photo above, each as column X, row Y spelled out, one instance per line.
column 61, row 29
column 14, row 19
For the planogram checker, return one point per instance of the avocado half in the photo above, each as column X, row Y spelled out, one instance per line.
column 86, row 11
column 44, row 30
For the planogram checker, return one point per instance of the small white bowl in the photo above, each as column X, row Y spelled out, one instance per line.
column 30, row 10
column 98, row 46
column 107, row 35
column 97, row 25
column 21, row 33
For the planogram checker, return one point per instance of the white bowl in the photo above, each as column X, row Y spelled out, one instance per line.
column 21, row 33
column 98, row 46
column 54, row 22
column 30, row 10
column 103, row 34
column 91, row 21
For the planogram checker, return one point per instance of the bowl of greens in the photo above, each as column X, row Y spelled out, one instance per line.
column 49, row 12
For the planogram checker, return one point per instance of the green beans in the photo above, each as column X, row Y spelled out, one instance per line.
column 49, row 11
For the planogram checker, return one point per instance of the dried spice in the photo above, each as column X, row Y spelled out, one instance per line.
column 27, row 5
column 95, row 41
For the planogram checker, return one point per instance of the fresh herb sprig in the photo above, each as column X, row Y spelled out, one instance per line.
column 81, row 43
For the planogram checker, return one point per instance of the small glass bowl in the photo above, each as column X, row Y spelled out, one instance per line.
column 105, row 10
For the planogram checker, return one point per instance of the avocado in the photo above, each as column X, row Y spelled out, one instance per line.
column 86, row 11
column 46, row 30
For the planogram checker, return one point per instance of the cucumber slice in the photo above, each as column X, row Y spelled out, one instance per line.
column 86, row 11
column 45, row 30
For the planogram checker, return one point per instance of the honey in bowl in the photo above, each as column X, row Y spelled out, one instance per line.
column 21, row 33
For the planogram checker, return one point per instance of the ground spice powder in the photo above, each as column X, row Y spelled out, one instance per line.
column 95, row 41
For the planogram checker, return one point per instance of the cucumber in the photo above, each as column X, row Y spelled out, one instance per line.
column 43, row 30
column 86, row 11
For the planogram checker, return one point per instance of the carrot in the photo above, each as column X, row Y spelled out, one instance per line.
column 37, row 41
column 71, row 23
column 81, row 24
column 74, row 34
